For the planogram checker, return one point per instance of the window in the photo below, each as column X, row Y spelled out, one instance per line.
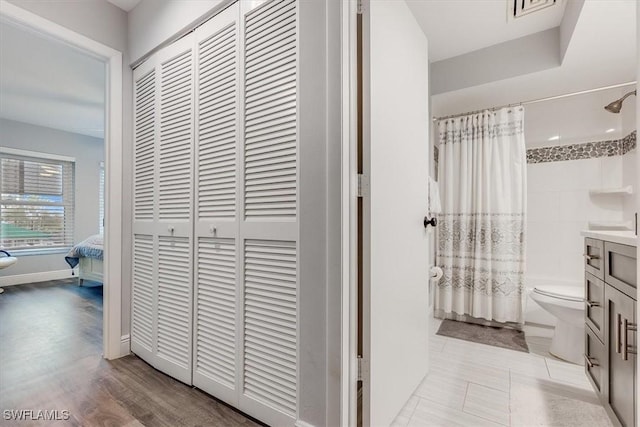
column 101, row 195
column 36, row 200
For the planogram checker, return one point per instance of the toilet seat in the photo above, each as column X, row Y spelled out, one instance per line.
column 568, row 293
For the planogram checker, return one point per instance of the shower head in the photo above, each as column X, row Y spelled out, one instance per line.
column 616, row 105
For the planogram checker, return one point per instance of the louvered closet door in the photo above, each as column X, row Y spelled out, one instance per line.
column 269, row 214
column 144, row 290
column 163, row 188
column 216, row 314
column 174, row 206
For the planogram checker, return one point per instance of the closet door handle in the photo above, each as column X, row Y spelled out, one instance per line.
column 592, row 304
column 590, row 257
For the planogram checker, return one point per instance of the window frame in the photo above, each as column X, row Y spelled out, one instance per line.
column 7, row 152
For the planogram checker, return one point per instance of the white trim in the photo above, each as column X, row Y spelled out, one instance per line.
column 36, row 154
column 300, row 423
column 38, row 251
column 112, row 309
column 44, row 276
column 349, row 298
column 125, row 345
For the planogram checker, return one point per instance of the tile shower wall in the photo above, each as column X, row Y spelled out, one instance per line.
column 560, row 206
column 629, row 161
column 559, row 203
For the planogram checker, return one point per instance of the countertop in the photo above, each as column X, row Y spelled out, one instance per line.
column 622, row 237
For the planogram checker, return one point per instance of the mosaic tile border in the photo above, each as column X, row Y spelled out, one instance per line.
column 629, row 142
column 587, row 150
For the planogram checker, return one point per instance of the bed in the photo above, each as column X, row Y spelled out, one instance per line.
column 87, row 256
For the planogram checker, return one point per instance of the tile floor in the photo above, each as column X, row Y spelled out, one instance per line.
column 474, row 385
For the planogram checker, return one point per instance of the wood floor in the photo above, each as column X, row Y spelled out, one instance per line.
column 50, row 359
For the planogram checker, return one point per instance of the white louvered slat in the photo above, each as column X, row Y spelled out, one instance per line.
column 142, row 292
column 270, row 317
column 144, row 169
column 176, row 134
column 270, row 134
column 216, row 310
column 174, row 295
column 217, row 124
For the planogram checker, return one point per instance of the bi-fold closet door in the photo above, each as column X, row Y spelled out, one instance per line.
column 229, row 261
column 161, row 311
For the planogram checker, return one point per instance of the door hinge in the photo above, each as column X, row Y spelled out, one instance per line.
column 363, row 185
column 359, row 11
column 359, row 368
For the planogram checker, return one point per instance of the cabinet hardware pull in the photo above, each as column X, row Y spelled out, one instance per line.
column 592, row 304
column 591, row 361
column 618, row 325
column 591, row 257
column 626, row 327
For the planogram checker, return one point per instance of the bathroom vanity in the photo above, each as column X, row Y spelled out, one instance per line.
column 611, row 324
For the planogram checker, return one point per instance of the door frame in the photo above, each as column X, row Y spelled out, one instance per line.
column 348, row 215
column 113, row 345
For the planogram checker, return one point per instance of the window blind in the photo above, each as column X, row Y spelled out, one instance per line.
column 36, row 202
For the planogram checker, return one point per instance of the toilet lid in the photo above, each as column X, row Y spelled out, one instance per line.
column 571, row 293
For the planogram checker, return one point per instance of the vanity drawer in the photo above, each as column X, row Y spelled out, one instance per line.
column 594, row 304
column 620, row 268
column 594, row 257
column 595, row 360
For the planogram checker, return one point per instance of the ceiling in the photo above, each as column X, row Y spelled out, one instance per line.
column 601, row 52
column 125, row 5
column 456, row 27
column 57, row 86
column 47, row 83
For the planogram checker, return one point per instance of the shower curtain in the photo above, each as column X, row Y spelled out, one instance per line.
column 481, row 237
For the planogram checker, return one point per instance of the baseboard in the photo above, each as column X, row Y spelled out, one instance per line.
column 125, row 345
column 21, row 279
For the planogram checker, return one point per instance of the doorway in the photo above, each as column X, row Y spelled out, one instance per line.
column 113, row 345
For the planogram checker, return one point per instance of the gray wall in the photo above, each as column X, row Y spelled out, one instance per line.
column 88, row 152
column 105, row 23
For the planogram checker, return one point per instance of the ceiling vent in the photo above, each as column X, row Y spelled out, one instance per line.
column 525, row 7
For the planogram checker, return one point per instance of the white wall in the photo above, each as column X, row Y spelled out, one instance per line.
column 577, row 119
column 559, row 203
column 107, row 24
column 559, row 207
column 152, row 22
column 629, row 162
column 88, row 152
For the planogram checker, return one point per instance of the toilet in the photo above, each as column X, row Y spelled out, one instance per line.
column 566, row 303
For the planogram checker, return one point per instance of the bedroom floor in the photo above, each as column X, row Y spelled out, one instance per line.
column 51, row 359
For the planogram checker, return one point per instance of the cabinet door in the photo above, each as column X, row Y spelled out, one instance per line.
column 594, row 304
column 594, row 257
column 620, row 267
column 621, row 348
column 595, row 361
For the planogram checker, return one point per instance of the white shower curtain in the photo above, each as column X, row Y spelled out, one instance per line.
column 481, row 238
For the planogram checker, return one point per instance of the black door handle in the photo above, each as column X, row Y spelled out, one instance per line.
column 433, row 221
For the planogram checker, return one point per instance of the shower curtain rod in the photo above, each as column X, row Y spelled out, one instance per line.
column 535, row 101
